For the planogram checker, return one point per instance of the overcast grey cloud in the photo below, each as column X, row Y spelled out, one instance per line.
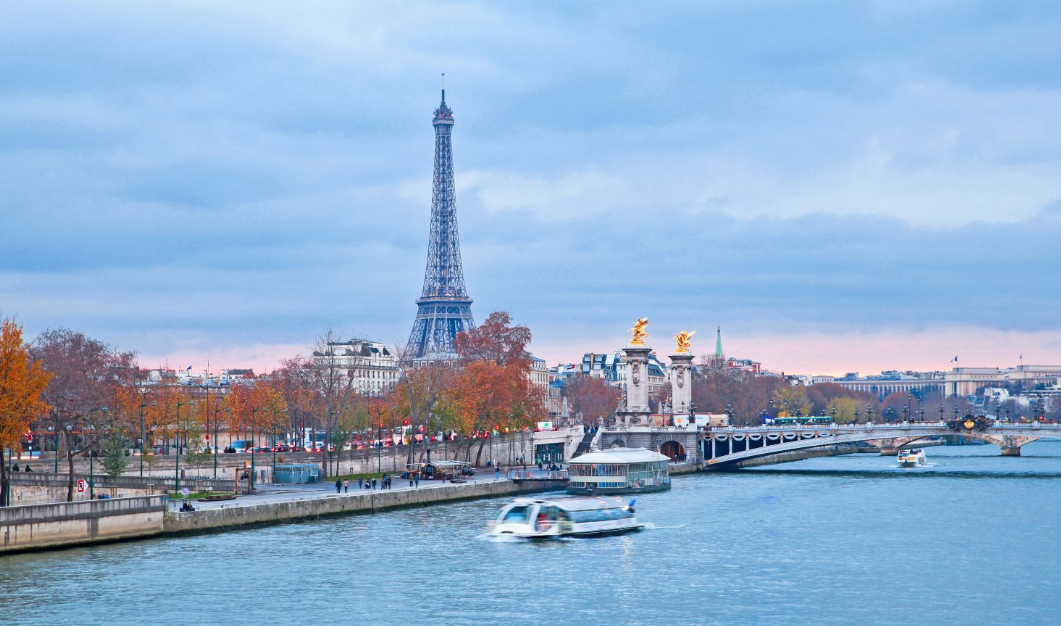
column 202, row 179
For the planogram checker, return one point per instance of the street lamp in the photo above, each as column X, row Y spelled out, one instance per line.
column 177, row 456
column 857, row 414
column 869, row 414
column 254, row 437
column 217, row 416
column 143, row 405
column 276, row 415
column 91, row 464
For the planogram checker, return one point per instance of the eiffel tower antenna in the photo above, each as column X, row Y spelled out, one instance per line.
column 444, row 308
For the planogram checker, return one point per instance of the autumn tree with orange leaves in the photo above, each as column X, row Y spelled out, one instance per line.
column 85, row 376
column 493, row 390
column 21, row 384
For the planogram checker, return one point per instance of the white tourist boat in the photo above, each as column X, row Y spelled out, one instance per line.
column 913, row 457
column 530, row 518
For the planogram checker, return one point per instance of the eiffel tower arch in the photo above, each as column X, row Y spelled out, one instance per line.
column 444, row 308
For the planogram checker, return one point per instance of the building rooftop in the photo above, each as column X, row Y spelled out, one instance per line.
column 621, row 455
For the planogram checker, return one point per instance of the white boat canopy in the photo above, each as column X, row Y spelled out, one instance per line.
column 620, row 455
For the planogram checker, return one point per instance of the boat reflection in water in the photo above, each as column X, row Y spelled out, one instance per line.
column 529, row 518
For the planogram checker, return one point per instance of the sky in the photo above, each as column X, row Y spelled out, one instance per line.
column 839, row 186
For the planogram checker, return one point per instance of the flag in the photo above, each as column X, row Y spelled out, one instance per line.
column 189, row 368
column 955, row 360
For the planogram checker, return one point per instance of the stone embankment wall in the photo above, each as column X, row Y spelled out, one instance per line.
column 72, row 523
column 338, row 504
column 37, row 488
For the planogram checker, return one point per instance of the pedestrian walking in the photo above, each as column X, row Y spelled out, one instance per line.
column 373, row 484
column 497, row 472
column 416, row 479
column 338, row 486
column 346, row 486
column 360, row 483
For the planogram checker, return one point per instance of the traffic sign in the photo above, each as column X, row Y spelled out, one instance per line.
column 81, row 485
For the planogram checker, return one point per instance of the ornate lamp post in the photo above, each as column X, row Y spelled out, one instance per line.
column 869, row 414
column 857, row 414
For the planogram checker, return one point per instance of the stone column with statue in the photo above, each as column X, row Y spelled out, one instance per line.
column 636, row 411
column 681, row 372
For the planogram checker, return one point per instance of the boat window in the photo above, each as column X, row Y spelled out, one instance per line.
column 599, row 515
column 517, row 514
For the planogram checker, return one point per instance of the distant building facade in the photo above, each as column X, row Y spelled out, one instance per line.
column 374, row 366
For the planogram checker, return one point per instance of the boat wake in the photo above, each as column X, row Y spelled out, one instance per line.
column 651, row 526
column 500, row 538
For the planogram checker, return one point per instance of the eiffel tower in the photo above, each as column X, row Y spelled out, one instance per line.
column 444, row 306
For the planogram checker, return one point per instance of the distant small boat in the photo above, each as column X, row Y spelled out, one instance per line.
column 913, row 457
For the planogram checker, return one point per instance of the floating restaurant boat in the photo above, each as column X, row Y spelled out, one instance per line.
column 618, row 471
column 528, row 518
column 913, row 457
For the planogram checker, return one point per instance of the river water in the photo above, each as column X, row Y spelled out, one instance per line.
column 974, row 539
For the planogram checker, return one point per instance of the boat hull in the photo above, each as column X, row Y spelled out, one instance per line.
column 582, row 491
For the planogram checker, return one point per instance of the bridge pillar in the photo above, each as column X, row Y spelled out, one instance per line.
column 1009, row 444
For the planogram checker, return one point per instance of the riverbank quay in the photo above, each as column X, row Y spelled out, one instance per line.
column 276, row 506
column 63, row 524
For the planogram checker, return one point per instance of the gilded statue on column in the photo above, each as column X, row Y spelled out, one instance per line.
column 639, row 332
column 684, row 344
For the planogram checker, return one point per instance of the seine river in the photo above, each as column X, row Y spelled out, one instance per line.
column 975, row 539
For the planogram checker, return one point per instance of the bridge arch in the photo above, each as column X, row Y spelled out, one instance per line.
column 673, row 450
column 727, row 447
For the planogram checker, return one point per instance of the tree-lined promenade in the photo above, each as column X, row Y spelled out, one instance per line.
column 82, row 397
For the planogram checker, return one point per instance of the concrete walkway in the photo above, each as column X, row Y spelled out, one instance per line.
column 274, row 494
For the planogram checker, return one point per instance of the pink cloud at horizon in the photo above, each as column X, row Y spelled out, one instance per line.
column 802, row 353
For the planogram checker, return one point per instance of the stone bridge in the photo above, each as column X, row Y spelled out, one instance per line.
column 725, row 447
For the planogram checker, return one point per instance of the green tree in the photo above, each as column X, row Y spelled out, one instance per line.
column 844, row 410
column 792, row 401
column 113, row 456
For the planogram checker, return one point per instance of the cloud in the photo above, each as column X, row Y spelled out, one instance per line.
column 244, row 174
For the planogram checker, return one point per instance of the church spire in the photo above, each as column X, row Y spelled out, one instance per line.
column 718, row 342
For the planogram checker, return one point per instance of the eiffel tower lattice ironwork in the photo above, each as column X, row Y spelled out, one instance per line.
column 444, row 306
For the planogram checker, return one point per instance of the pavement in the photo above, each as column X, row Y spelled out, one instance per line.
column 270, row 493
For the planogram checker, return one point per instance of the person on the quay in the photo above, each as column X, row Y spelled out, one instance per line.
column 338, row 486
column 346, row 486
